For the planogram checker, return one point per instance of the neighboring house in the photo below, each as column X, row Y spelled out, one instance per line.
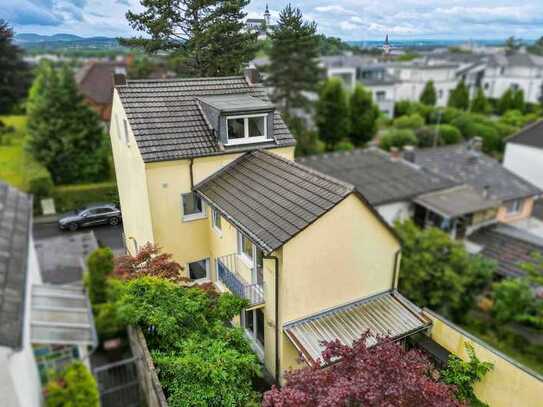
column 524, row 154
column 468, row 165
column 262, row 26
column 42, row 327
column 95, row 81
column 205, row 170
column 388, row 182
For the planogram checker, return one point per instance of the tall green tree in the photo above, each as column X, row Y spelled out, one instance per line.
column 439, row 273
column 506, row 101
column 207, row 36
column 294, row 67
column 480, row 103
column 14, row 72
column 459, row 97
column 63, row 133
column 512, row 44
column 332, row 113
column 428, row 95
column 363, row 116
column 518, row 100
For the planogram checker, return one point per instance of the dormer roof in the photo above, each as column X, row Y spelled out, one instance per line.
column 169, row 124
column 237, row 103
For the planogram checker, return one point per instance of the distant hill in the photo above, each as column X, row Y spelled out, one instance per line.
column 63, row 41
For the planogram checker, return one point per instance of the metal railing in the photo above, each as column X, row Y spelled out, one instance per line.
column 228, row 269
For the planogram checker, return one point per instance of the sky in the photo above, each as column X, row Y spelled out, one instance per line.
column 347, row 19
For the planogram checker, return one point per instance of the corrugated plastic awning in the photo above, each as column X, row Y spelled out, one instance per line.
column 61, row 315
column 387, row 314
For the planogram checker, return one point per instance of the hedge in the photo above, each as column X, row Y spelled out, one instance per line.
column 70, row 197
column 36, row 179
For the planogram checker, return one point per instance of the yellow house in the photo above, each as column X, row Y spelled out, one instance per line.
column 205, row 170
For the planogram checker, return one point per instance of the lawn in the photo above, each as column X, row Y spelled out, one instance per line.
column 11, row 156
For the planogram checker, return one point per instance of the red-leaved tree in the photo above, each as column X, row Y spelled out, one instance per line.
column 383, row 375
column 149, row 261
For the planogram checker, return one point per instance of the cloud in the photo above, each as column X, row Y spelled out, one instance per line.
column 334, row 9
column 27, row 12
column 123, row 2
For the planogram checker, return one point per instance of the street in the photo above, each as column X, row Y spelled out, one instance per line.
column 106, row 235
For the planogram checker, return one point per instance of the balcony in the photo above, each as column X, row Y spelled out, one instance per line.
column 230, row 270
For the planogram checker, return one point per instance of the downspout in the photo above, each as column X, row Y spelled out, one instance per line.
column 191, row 173
column 277, row 336
column 396, row 267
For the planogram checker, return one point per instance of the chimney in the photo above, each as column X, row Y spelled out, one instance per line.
column 119, row 79
column 394, row 153
column 477, row 143
column 251, row 75
column 409, row 154
column 486, row 191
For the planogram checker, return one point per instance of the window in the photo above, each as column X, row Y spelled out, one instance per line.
column 515, row 86
column 193, row 207
column 125, row 125
column 513, row 207
column 246, row 249
column 380, row 95
column 248, row 129
column 253, row 323
column 486, row 85
column 216, row 219
column 199, row 270
column 440, row 94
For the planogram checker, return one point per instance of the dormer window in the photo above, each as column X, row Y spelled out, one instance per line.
column 246, row 129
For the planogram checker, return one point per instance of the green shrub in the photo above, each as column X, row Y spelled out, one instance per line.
column 344, row 146
column 37, row 179
column 426, row 136
column 443, row 115
column 74, row 387
column 398, row 138
column 413, row 122
column 99, row 267
column 449, row 134
column 70, row 197
column 446, row 134
column 402, row 108
column 464, row 375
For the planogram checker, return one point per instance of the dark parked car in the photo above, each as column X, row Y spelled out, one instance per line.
column 91, row 215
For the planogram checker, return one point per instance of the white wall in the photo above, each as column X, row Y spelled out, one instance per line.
column 396, row 211
column 526, row 162
column 19, row 379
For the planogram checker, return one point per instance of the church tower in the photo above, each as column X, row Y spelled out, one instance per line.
column 386, row 46
column 267, row 16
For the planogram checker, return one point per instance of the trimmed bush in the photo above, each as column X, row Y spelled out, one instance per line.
column 402, row 108
column 344, row 146
column 37, row 180
column 446, row 134
column 413, row 121
column 70, row 197
column 397, row 138
column 449, row 134
column 426, row 136
column 74, row 387
column 99, row 267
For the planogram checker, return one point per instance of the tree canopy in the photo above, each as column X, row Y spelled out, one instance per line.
column 64, row 134
column 429, row 95
column 294, row 54
column 75, row 386
column 14, row 72
column 332, row 113
column 480, row 103
column 208, row 37
column 459, row 97
column 363, row 116
column 383, row 375
column 438, row 272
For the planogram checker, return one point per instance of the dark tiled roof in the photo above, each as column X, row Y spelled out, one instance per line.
column 378, row 177
column 168, row 123
column 15, row 218
column 270, row 198
column 531, row 135
column 95, row 81
column 456, row 201
column 476, row 169
column 508, row 246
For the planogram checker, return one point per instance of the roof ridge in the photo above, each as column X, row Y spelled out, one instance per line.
column 202, row 78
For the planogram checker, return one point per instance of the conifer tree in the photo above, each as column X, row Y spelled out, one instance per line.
column 428, row 95
column 64, row 134
column 207, row 37
column 518, row 100
column 506, row 101
column 14, row 72
column 294, row 57
column 480, row 103
column 332, row 113
column 459, row 97
column 363, row 116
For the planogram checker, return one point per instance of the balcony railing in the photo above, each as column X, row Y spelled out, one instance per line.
column 229, row 268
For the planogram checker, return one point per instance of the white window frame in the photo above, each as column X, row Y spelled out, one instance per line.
column 249, row 261
column 253, row 336
column 215, row 214
column 126, row 135
column 246, row 139
column 193, row 216
column 208, row 270
column 516, row 208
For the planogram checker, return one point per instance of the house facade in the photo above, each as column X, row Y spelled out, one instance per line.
column 205, row 170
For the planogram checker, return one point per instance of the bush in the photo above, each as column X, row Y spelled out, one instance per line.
column 99, row 267
column 413, row 121
column 426, row 136
column 397, row 138
column 70, row 197
column 446, row 134
column 344, row 146
column 402, row 108
column 37, row 179
column 448, row 114
column 449, row 134
column 74, row 387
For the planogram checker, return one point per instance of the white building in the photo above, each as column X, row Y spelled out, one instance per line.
column 524, row 154
column 261, row 25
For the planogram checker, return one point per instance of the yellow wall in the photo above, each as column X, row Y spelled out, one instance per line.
column 345, row 255
column 507, row 385
column 525, row 212
column 130, row 172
